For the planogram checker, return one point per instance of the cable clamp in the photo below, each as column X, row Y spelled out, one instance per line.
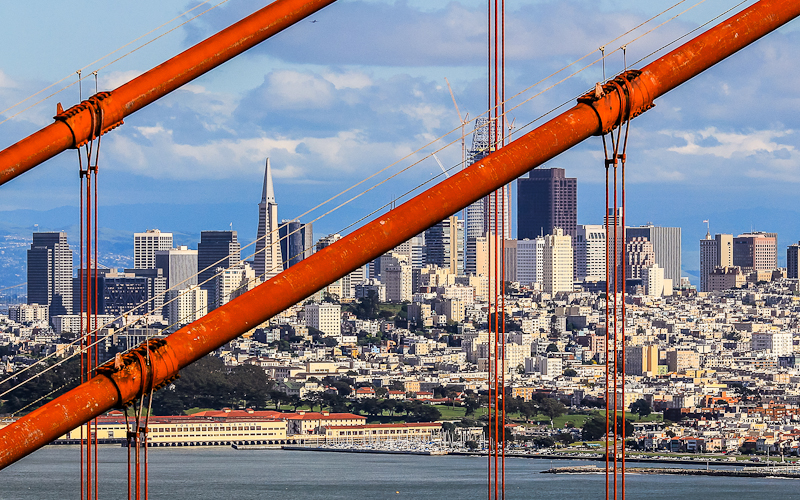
column 90, row 119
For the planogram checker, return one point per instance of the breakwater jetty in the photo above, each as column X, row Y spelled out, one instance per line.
column 792, row 472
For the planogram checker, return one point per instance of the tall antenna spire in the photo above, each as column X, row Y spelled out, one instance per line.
column 268, row 193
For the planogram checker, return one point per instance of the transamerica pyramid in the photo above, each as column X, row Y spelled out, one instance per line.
column 268, row 259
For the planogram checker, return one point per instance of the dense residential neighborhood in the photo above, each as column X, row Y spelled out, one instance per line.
column 720, row 367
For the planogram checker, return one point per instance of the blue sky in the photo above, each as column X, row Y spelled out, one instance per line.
column 332, row 102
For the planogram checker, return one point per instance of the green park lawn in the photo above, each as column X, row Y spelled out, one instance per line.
column 457, row 413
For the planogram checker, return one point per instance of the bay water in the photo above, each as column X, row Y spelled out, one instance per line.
column 52, row 473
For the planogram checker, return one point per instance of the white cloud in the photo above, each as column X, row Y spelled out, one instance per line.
column 114, row 79
column 152, row 132
column 293, row 89
column 349, row 80
column 161, row 156
column 711, row 141
column 6, row 82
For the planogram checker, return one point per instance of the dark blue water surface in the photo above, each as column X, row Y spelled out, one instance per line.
column 223, row 473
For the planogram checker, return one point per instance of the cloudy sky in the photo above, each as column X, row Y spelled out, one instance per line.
column 362, row 88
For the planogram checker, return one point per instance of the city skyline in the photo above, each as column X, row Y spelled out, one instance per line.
column 663, row 236
column 663, row 149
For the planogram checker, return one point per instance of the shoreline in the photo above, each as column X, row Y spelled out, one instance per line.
column 599, row 458
column 439, row 452
column 361, row 450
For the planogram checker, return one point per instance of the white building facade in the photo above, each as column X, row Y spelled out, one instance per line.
column 590, row 252
column 325, row 317
column 530, row 261
column 557, row 266
column 145, row 246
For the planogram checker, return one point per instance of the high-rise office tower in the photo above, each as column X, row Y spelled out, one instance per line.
column 530, row 261
column 352, row 280
column 327, row 241
column 480, row 216
column 474, row 225
column 510, row 259
column 492, row 216
column 397, row 278
column 233, row 281
column 343, row 287
column 639, row 255
column 126, row 293
column 666, row 245
column 297, row 241
column 50, row 272
column 145, row 246
column 186, row 305
column 414, row 249
column 445, row 245
column 590, row 252
column 546, row 199
column 179, row 266
column 480, row 255
column 557, row 262
column 717, row 252
column 81, row 296
column 268, row 260
column 391, row 257
column 216, row 249
column 653, row 280
column 156, row 287
column 757, row 251
column 325, row 317
column 792, row 260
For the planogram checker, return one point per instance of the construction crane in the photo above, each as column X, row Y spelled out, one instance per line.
column 463, row 122
column 122, row 381
column 444, row 170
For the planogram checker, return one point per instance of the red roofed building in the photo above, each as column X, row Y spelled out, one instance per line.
column 365, row 392
column 396, row 395
column 421, row 431
column 301, row 422
column 312, row 422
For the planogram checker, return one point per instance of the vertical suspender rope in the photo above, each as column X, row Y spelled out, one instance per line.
column 80, row 287
column 88, row 297
column 493, row 141
column 490, row 435
column 503, row 235
column 492, row 267
column 608, row 278
column 615, row 345
column 608, row 330
column 95, row 269
column 616, row 273
column 128, row 437
column 629, row 94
